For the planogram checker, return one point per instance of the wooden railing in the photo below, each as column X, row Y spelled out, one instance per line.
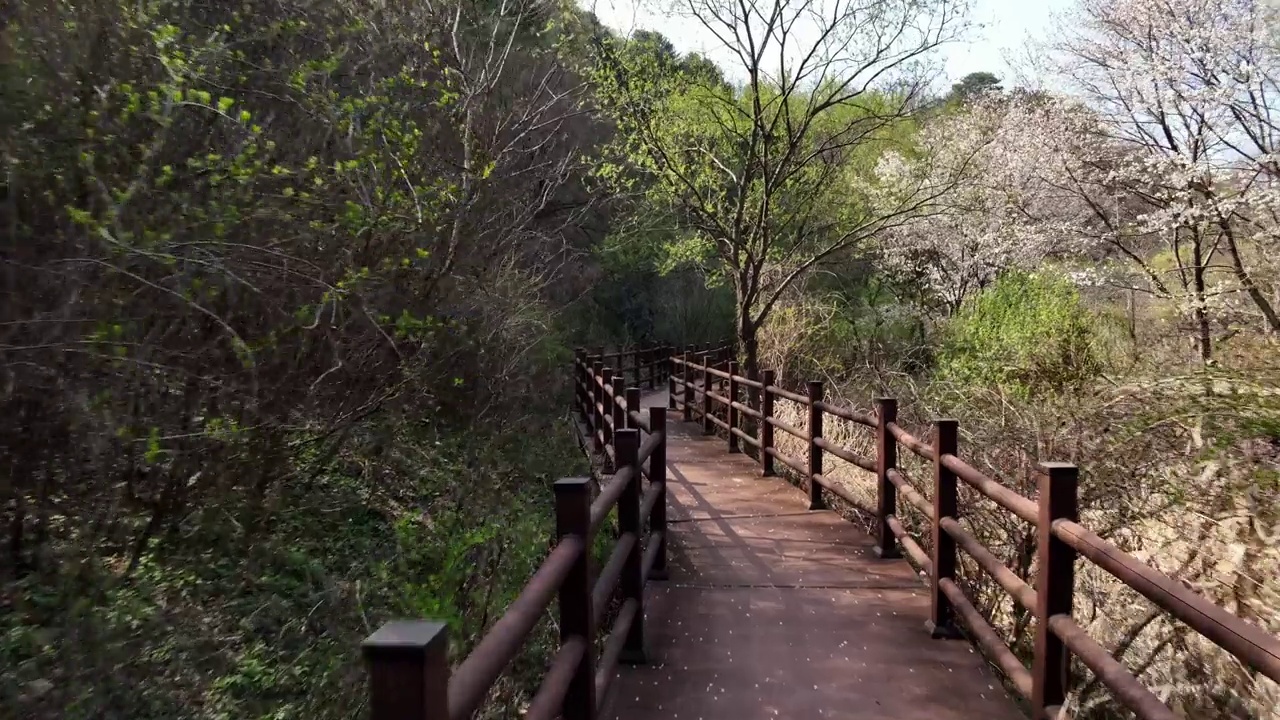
column 707, row 389
column 639, row 365
column 601, row 401
column 410, row 675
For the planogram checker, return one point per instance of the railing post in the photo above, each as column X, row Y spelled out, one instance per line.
column 653, row 368
column 815, row 453
column 670, row 364
column 945, row 505
column 606, row 394
column 732, row 394
column 632, row 581
column 751, row 399
column 408, row 671
column 887, row 493
column 766, row 428
column 620, row 420
column 1055, row 583
column 573, row 517
column 588, row 392
column 658, row 474
column 579, row 373
column 597, row 402
column 633, row 405
column 688, row 389
column 706, row 394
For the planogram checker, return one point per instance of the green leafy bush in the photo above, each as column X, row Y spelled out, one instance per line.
column 279, row 286
column 1028, row 334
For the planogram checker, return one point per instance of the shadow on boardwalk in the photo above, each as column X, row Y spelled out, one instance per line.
column 773, row 611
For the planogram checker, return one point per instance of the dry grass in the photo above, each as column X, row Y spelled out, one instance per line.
column 1147, row 485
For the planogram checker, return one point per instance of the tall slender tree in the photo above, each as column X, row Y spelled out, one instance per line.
column 766, row 176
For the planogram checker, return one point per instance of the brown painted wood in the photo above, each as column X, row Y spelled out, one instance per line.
column 774, row 611
column 886, row 492
column 1055, row 581
column 945, row 505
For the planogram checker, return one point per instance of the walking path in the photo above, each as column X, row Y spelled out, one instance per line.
column 775, row 611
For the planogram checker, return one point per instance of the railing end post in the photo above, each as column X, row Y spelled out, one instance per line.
column 607, row 401
column 629, row 521
column 941, row 622
column 573, row 517
column 572, row 495
column 633, row 405
column 767, row 378
column 686, row 380
column 597, row 402
column 1055, row 584
column 658, row 474
column 732, row 414
column 408, row 670
column 668, row 363
column 814, row 390
column 569, row 484
column 707, row 428
column 886, row 493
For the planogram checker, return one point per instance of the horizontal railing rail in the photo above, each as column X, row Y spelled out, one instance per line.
column 708, row 389
column 643, row 365
column 410, row 673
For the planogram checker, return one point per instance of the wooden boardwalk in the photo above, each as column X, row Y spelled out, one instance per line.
column 771, row 610
column 775, row 611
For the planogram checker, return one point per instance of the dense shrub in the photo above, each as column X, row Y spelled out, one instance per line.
column 279, row 287
column 1177, row 467
column 1027, row 333
column 844, row 325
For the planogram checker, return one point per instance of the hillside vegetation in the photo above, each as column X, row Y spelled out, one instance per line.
column 289, row 289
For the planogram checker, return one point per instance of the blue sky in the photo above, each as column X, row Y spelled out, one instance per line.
column 1000, row 28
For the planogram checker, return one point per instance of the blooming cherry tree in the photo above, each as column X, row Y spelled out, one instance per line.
column 1160, row 151
column 1184, row 92
column 1000, row 160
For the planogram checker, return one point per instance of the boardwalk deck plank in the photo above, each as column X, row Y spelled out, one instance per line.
column 773, row 611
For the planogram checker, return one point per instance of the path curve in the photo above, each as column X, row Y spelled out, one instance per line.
column 775, row 611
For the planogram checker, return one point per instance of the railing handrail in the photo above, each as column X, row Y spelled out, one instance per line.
column 409, row 668
column 710, row 393
column 410, row 676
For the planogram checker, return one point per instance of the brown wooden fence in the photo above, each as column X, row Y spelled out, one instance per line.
column 410, row 675
column 707, row 388
column 602, row 400
column 410, row 669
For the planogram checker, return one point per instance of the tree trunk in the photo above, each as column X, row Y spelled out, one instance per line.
column 1203, row 337
column 1246, row 280
column 749, row 348
column 749, row 355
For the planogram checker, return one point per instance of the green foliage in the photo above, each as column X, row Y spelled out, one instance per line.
column 638, row 305
column 759, row 183
column 278, row 315
column 839, row 326
column 972, row 85
column 262, row 620
column 1027, row 334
